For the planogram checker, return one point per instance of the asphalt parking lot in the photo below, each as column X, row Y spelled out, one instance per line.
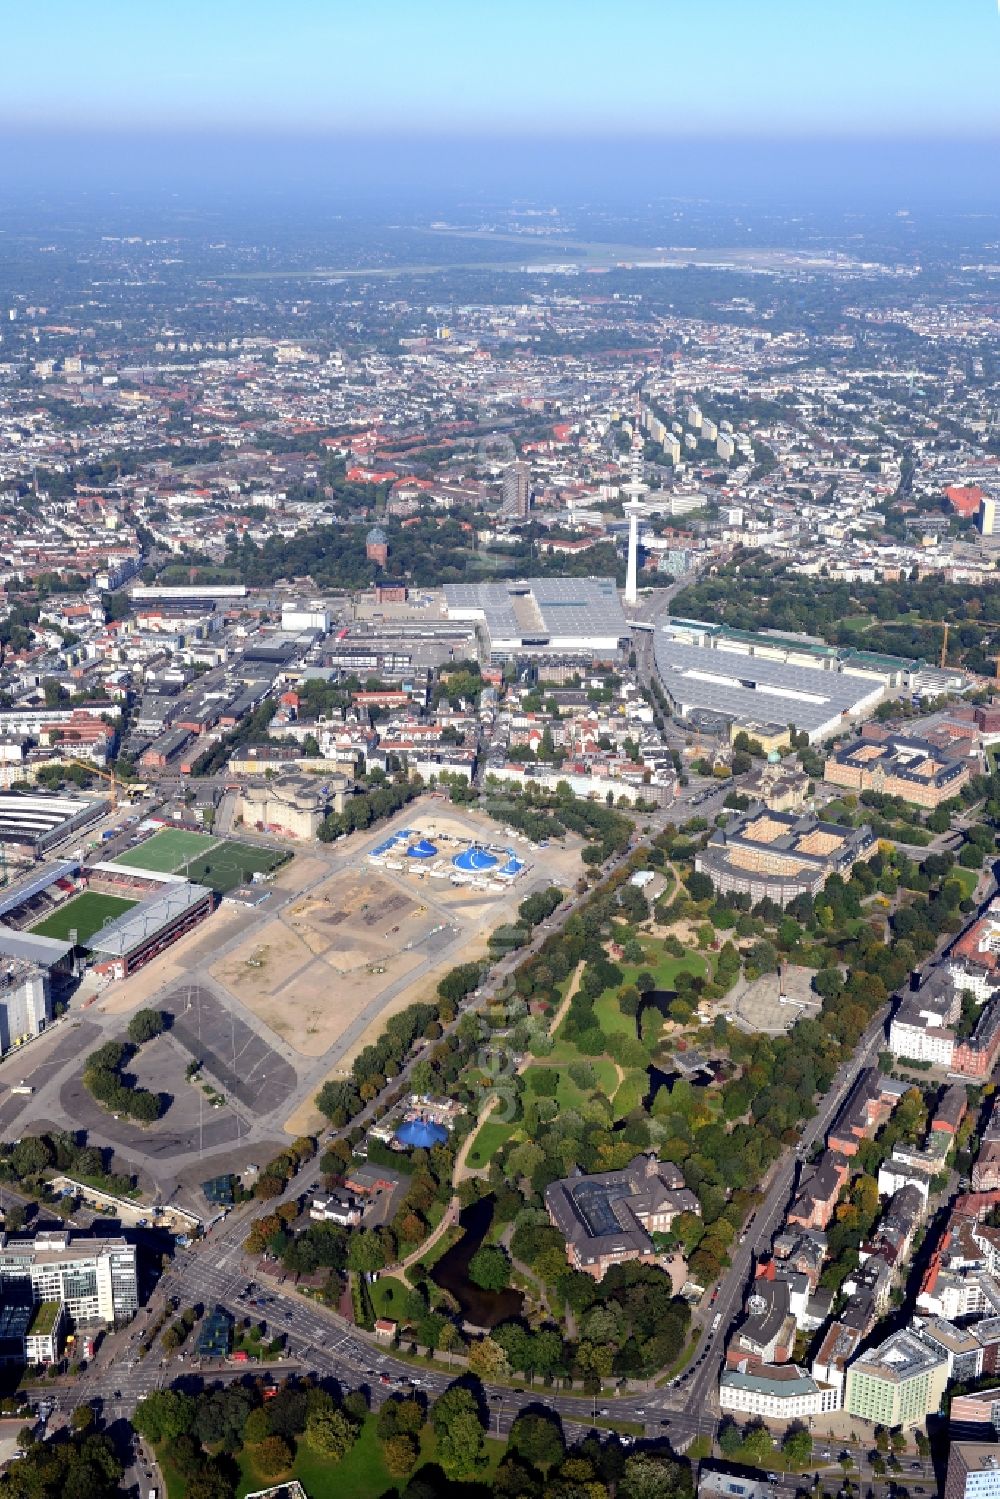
column 39, row 1064
column 239, row 1060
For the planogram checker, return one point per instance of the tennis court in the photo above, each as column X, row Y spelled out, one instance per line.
column 85, row 914
column 167, row 851
column 230, row 864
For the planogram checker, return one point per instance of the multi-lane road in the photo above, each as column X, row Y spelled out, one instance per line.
column 699, row 1386
column 319, row 1341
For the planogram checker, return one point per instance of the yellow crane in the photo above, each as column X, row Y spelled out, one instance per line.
column 105, row 775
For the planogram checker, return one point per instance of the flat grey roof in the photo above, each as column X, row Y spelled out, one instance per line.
column 755, row 687
column 127, row 931
column 36, row 813
column 586, row 608
column 44, row 950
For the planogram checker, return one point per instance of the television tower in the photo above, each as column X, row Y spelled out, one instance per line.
column 635, row 489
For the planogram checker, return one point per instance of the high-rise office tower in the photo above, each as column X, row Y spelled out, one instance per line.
column 517, row 491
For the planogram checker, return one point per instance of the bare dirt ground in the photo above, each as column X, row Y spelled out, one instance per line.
column 354, row 921
column 309, row 972
column 473, row 911
column 299, row 872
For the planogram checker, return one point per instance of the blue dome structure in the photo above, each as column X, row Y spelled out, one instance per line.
column 421, row 850
column 475, row 860
column 421, row 1134
column 513, row 866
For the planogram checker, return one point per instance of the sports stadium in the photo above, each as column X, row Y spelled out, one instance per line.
column 113, row 919
column 116, row 916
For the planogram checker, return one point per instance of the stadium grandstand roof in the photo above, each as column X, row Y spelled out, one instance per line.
column 42, row 818
column 41, row 879
column 46, row 951
column 133, row 871
column 128, row 931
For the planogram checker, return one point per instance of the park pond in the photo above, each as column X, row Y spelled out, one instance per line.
column 479, row 1308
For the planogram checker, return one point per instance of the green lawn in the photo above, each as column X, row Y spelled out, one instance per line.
column 387, row 1295
column 176, row 1486
column 230, row 864
column 609, row 1015
column 967, row 878
column 488, row 1141
column 166, row 851
column 834, row 810
column 360, row 1475
column 605, row 1075
column 85, row 913
column 567, row 1094
column 666, row 969
column 563, row 1051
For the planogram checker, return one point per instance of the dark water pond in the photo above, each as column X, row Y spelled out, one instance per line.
column 658, row 999
column 480, row 1308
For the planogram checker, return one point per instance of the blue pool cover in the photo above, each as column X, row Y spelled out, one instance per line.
column 475, row 860
column 421, row 1134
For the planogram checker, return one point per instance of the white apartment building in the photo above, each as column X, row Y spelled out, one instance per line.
column 776, row 1392
column 95, row 1279
column 922, row 1036
column 958, row 1293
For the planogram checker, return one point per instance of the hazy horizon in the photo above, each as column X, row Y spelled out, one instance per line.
column 835, row 173
column 892, row 105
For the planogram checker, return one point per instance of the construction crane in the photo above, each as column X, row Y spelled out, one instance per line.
column 105, row 775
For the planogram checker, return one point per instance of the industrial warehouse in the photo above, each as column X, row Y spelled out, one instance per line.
column 34, row 821
column 751, row 691
column 542, row 615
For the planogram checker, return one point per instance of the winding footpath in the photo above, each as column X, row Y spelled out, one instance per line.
column 462, row 1170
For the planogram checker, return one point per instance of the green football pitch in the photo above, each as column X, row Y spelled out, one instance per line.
column 230, row 864
column 167, row 851
column 85, row 914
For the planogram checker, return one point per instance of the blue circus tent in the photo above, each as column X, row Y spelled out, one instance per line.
column 421, row 1134
column 475, row 860
column 512, row 866
column 421, row 850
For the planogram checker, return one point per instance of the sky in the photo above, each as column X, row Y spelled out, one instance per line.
column 501, row 69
